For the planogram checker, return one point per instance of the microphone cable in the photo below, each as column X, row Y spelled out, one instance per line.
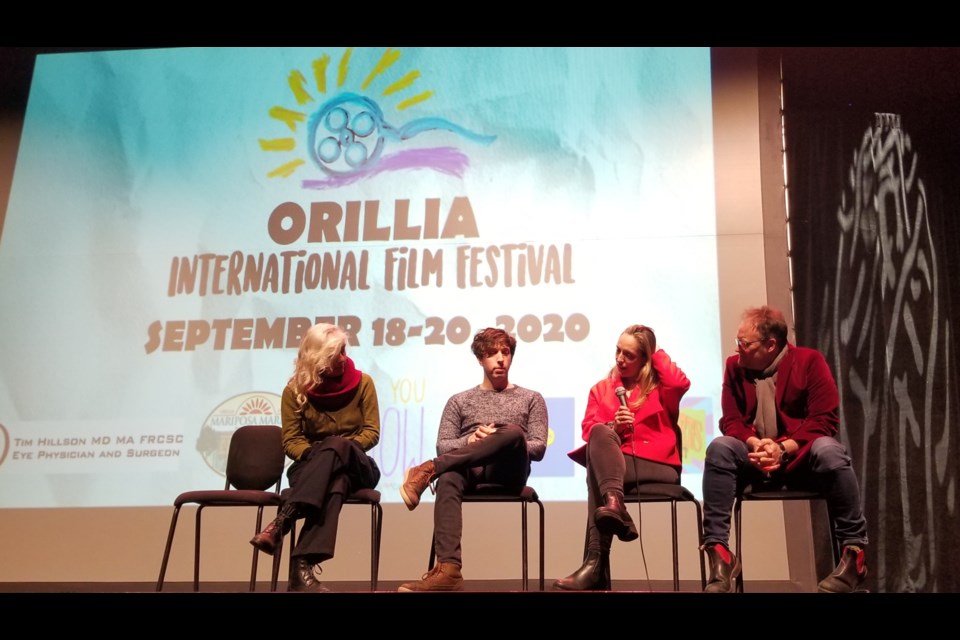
column 622, row 394
column 636, row 478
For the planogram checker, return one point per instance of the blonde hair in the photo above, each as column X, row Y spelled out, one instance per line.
column 322, row 344
column 647, row 378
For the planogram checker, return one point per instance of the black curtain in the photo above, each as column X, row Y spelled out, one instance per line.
column 873, row 156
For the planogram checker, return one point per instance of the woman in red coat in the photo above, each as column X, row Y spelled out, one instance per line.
column 629, row 430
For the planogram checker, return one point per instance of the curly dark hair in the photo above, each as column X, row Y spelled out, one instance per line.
column 490, row 340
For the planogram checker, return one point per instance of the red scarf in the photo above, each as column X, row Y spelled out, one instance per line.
column 332, row 388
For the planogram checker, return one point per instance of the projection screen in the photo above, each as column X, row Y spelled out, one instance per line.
column 179, row 217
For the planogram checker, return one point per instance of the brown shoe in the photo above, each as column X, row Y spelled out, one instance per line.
column 445, row 576
column 268, row 539
column 415, row 482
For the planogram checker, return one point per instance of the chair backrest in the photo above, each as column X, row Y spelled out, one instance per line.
column 675, row 425
column 255, row 459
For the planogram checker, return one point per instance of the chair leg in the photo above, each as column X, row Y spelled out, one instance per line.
column 275, row 565
column 293, row 544
column 834, row 543
column 586, row 542
column 703, row 564
column 256, row 552
column 433, row 552
column 676, row 550
column 196, row 551
column 524, row 541
column 278, row 554
column 376, row 523
column 523, row 532
column 166, row 550
column 737, row 505
column 542, row 537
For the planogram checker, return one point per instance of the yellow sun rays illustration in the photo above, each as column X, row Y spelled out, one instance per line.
column 302, row 95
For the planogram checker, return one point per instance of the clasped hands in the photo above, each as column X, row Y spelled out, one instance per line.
column 766, row 454
column 481, row 432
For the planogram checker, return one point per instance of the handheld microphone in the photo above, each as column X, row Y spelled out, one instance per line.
column 622, row 394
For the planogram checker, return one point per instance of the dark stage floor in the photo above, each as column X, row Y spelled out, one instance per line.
column 358, row 587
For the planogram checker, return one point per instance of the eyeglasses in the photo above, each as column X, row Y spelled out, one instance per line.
column 741, row 343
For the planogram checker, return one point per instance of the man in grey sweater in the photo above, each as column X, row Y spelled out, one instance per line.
column 488, row 434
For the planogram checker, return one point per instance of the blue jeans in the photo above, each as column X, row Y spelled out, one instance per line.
column 826, row 468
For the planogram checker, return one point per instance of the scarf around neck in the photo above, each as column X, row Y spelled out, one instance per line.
column 331, row 388
column 766, row 384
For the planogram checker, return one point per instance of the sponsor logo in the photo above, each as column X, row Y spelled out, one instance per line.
column 256, row 407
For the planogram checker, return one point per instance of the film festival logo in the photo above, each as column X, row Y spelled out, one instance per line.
column 238, row 411
column 339, row 133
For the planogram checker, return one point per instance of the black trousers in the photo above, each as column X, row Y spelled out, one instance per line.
column 336, row 467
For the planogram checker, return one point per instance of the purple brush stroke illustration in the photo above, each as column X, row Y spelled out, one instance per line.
column 448, row 160
column 348, row 133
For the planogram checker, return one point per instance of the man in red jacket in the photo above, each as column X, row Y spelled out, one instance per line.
column 779, row 424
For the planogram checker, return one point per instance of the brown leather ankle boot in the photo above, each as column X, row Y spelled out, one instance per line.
column 268, row 539
column 724, row 569
column 613, row 518
column 591, row 576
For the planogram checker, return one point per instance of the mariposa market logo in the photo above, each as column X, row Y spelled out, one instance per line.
column 213, row 442
column 347, row 137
